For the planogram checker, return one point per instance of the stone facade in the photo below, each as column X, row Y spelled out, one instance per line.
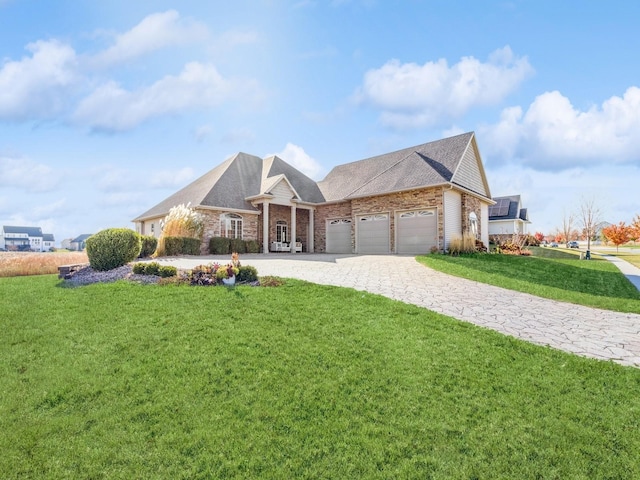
column 471, row 204
column 283, row 213
column 212, row 226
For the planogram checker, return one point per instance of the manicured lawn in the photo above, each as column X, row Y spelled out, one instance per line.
column 558, row 274
column 300, row 381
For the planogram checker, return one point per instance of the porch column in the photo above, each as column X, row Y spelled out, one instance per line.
column 311, row 231
column 293, row 229
column 265, row 227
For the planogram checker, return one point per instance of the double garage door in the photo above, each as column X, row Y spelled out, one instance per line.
column 417, row 232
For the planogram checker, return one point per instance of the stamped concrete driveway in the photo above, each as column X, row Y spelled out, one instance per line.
column 581, row 330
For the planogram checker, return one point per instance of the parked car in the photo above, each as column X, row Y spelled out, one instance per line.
column 554, row 244
column 573, row 244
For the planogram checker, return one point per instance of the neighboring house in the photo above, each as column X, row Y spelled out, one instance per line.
column 25, row 239
column 79, row 243
column 409, row 201
column 507, row 217
column 66, row 243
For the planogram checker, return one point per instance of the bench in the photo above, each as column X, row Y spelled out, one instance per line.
column 67, row 271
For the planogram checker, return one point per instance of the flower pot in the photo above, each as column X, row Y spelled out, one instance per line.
column 229, row 281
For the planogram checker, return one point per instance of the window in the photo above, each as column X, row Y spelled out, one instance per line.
column 153, row 227
column 282, row 231
column 231, row 225
column 473, row 223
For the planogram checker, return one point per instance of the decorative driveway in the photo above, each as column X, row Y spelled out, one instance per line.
column 585, row 331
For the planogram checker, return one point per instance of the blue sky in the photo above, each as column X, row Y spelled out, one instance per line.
column 106, row 108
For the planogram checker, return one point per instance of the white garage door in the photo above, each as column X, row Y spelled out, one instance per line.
column 373, row 233
column 417, row 231
column 339, row 236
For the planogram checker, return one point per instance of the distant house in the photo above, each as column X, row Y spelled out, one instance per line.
column 66, row 243
column 25, row 239
column 508, row 217
column 79, row 243
column 414, row 200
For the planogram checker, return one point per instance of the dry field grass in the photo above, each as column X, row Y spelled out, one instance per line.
column 16, row 264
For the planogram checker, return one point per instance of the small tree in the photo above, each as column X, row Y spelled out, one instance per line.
column 539, row 236
column 567, row 225
column 635, row 228
column 589, row 217
column 617, row 234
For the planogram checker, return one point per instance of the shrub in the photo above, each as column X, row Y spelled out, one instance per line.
column 181, row 246
column 113, row 248
column 219, row 246
column 139, row 268
column 238, row 246
column 464, row 244
column 253, row 246
column 247, row 274
column 190, row 246
column 166, row 271
column 270, row 281
column 182, row 222
column 226, row 271
column 152, row 268
column 149, row 245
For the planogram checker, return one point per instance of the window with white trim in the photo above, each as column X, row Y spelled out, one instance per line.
column 231, row 225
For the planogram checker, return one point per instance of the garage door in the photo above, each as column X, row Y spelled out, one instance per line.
column 417, row 231
column 339, row 236
column 373, row 233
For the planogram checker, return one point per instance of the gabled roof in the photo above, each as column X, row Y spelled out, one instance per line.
column 429, row 164
column 508, row 208
column 232, row 183
column 81, row 238
column 30, row 231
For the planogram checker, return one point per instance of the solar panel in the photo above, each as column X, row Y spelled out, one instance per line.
column 500, row 209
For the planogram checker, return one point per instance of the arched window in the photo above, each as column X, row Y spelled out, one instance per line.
column 282, row 231
column 231, row 225
column 473, row 223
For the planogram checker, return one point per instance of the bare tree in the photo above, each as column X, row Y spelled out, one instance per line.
column 567, row 225
column 590, row 218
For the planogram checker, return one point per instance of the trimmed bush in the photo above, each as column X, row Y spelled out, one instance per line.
column 247, row 274
column 238, row 246
column 152, row 268
column 253, row 246
column 112, row 248
column 190, row 246
column 139, row 268
column 181, row 246
column 149, row 245
column 167, row 271
column 219, row 246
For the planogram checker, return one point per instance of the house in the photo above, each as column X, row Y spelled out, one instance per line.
column 25, row 239
column 79, row 243
column 410, row 201
column 507, row 217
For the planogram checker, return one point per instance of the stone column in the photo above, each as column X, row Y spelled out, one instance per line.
column 311, row 231
column 265, row 227
column 292, row 242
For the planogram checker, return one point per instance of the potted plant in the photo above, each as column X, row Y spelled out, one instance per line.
column 227, row 274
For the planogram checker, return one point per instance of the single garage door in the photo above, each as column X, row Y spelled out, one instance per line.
column 339, row 235
column 417, row 231
column 373, row 233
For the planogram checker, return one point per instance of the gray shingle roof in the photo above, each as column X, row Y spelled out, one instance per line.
column 230, row 184
column 31, row 231
column 425, row 165
column 48, row 237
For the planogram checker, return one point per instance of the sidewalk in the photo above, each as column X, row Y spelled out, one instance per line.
column 628, row 270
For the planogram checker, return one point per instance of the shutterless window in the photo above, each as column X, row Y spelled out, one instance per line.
column 282, row 230
column 231, row 225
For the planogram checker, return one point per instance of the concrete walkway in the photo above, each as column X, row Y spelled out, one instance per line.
column 581, row 330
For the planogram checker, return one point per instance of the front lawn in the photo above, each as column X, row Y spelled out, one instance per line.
column 550, row 273
column 300, row 381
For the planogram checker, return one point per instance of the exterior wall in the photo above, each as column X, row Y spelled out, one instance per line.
column 212, row 226
column 282, row 192
column 328, row 212
column 501, row 227
column 150, row 227
column 453, row 216
column 484, row 224
column 471, row 204
column 468, row 174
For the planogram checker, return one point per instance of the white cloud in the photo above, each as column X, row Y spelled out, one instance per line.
column 171, row 178
column 553, row 135
column 202, row 132
column 119, row 199
column 35, row 85
column 411, row 95
column 27, row 175
column 50, row 209
column 241, row 135
column 112, row 108
column 297, row 157
column 154, row 32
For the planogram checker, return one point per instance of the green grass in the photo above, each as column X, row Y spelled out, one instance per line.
column 301, row 381
column 550, row 273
